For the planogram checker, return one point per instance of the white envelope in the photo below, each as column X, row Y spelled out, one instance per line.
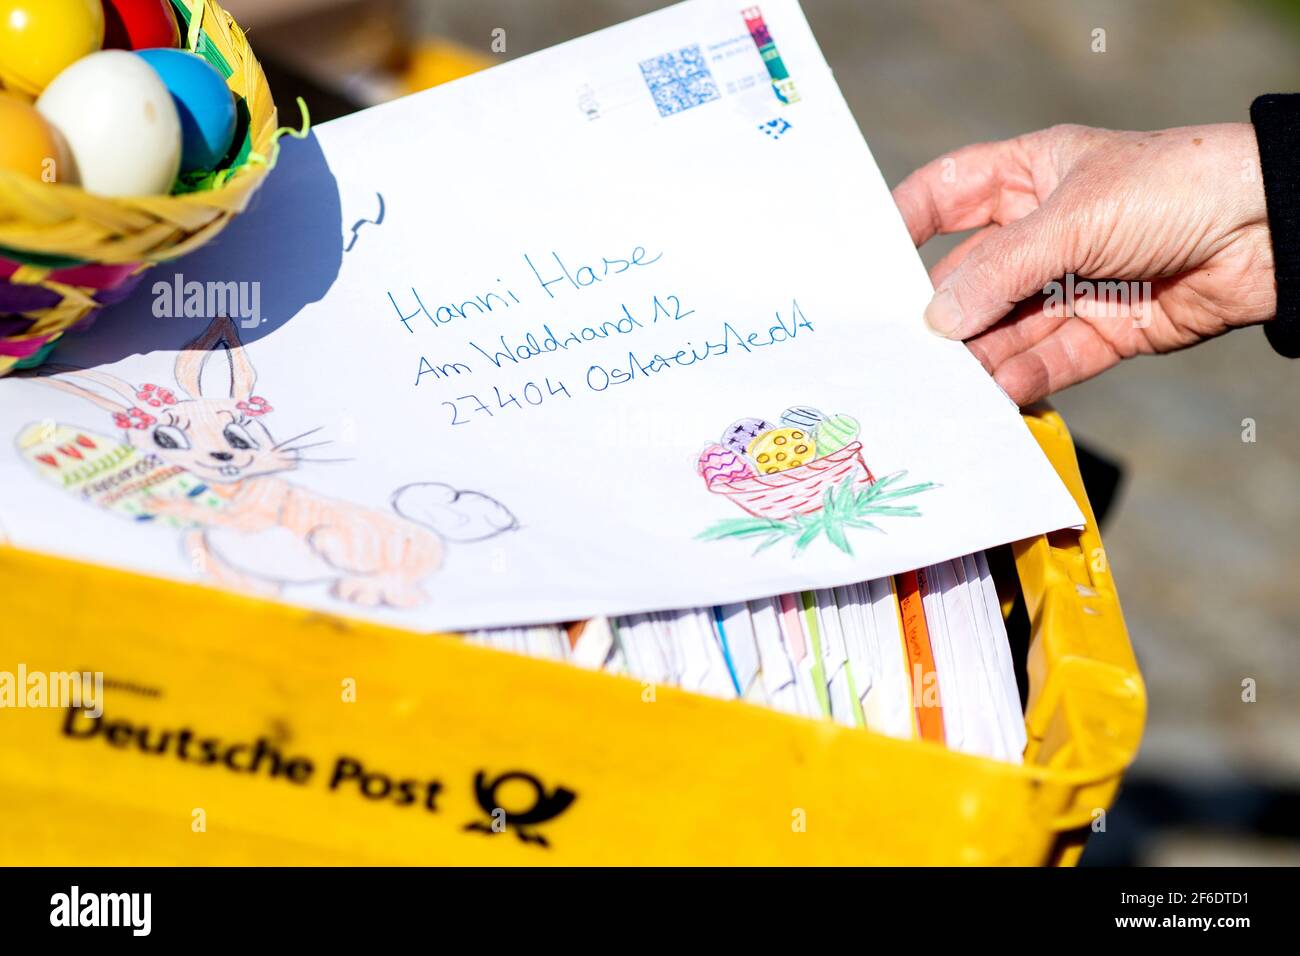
column 778, row 671
column 595, row 264
column 891, row 711
column 737, row 631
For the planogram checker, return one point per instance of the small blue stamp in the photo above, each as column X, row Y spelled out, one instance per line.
column 679, row 80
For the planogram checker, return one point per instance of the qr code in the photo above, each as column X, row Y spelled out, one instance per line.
column 679, row 80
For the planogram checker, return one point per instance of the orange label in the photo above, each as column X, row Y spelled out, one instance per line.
column 920, row 658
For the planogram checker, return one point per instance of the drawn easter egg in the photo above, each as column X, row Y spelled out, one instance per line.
column 835, row 432
column 743, row 431
column 717, row 463
column 107, row 472
column 802, row 417
column 782, row 448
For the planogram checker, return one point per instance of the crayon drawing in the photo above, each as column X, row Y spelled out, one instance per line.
column 208, row 465
column 798, row 480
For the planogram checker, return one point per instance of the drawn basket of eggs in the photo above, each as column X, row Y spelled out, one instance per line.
column 778, row 471
column 131, row 132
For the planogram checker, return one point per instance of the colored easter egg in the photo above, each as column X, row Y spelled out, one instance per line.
column 782, row 448
column 41, row 38
column 140, row 25
column 717, row 463
column 203, row 102
column 30, row 145
column 119, row 122
column 743, row 431
column 801, row 416
column 835, row 432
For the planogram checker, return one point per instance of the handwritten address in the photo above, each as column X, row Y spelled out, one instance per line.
column 547, row 279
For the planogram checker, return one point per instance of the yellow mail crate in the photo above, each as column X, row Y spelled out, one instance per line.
column 333, row 741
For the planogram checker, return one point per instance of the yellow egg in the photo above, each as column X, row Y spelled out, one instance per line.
column 781, row 448
column 30, row 145
column 39, row 38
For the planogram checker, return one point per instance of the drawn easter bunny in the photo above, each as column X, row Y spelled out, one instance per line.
column 265, row 531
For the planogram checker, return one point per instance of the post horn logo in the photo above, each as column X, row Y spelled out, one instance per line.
column 544, row 807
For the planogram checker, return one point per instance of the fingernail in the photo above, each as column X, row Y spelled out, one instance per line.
column 942, row 315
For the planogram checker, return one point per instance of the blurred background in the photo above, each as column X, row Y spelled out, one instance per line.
column 1203, row 533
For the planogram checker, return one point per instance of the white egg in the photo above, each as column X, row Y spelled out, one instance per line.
column 119, row 122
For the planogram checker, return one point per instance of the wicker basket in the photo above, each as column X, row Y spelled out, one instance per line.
column 65, row 254
column 799, row 490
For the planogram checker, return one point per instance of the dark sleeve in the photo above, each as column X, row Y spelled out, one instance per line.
column 1276, row 117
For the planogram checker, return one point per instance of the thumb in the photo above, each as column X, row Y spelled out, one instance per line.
column 1013, row 263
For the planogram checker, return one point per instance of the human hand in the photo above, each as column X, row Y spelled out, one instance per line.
column 1176, row 216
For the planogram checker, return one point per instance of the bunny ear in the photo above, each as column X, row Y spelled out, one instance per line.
column 81, row 391
column 110, row 382
column 220, row 336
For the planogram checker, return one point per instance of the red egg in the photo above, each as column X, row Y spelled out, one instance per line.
column 140, row 25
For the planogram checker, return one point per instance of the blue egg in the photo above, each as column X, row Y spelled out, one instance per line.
column 204, row 102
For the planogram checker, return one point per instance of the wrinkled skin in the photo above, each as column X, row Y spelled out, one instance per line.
column 1181, row 208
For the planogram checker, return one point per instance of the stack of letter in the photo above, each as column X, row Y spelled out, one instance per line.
column 922, row 655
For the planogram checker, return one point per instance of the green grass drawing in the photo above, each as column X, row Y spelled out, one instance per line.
column 843, row 507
